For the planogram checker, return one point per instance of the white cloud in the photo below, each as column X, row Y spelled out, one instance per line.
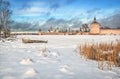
column 32, row 8
column 32, row 11
column 36, row 3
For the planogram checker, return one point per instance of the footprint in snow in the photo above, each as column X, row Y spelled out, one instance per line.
column 43, row 53
column 26, row 61
column 47, row 53
column 54, row 54
column 66, row 69
column 30, row 72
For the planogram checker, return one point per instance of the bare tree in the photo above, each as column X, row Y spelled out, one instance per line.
column 5, row 19
column 0, row 17
column 84, row 28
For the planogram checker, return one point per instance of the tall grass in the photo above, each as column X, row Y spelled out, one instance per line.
column 106, row 54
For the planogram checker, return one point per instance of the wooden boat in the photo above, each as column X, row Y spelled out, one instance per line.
column 33, row 41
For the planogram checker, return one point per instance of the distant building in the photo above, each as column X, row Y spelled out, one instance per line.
column 51, row 29
column 95, row 28
column 75, row 29
column 57, row 29
column 109, row 31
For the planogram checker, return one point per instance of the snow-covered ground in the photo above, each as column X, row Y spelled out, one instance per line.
column 56, row 59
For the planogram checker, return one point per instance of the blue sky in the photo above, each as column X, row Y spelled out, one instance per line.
column 41, row 10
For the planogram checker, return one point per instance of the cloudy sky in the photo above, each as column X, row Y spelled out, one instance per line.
column 43, row 11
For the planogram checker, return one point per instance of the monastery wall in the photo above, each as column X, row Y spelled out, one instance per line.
column 109, row 31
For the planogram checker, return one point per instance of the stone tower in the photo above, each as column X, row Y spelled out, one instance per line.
column 94, row 27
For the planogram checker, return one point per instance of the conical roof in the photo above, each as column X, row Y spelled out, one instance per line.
column 94, row 21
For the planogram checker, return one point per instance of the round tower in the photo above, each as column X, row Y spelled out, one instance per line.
column 95, row 27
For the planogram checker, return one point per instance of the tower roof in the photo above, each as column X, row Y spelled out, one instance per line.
column 94, row 21
column 94, row 18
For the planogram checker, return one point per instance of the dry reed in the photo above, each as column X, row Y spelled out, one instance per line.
column 106, row 54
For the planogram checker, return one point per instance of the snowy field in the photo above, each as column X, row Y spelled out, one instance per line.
column 56, row 59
